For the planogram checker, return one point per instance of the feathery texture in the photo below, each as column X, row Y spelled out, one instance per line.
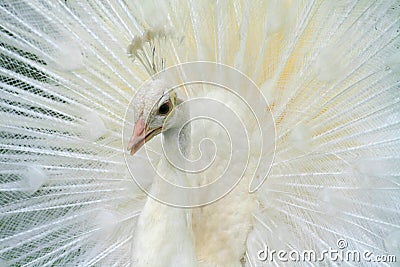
column 330, row 71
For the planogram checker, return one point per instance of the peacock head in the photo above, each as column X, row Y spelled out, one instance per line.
column 154, row 109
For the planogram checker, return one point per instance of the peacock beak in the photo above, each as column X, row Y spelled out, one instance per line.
column 141, row 135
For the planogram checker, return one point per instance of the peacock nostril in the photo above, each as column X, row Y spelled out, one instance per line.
column 138, row 137
column 139, row 127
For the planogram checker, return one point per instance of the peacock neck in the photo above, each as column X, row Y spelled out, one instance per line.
column 163, row 235
column 175, row 154
column 176, row 149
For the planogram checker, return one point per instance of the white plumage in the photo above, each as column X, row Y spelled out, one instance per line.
column 330, row 71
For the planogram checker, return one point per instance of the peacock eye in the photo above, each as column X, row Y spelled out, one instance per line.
column 164, row 108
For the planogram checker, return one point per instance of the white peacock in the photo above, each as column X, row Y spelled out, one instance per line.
column 329, row 70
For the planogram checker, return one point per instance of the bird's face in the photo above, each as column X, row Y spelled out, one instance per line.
column 153, row 107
